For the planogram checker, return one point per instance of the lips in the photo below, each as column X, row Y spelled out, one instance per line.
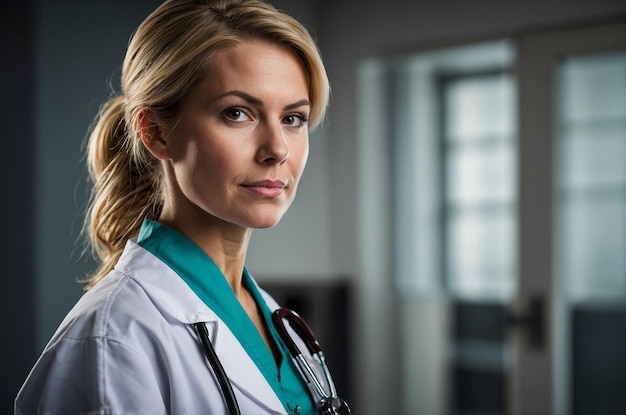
column 266, row 188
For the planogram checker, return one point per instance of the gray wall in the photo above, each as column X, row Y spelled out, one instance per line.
column 80, row 48
column 17, row 305
column 57, row 58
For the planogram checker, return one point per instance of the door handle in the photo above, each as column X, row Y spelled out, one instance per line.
column 532, row 320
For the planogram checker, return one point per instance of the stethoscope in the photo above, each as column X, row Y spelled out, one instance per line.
column 328, row 403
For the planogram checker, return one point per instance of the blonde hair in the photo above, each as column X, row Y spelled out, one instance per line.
column 166, row 56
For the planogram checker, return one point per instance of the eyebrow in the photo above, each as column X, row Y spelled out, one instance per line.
column 256, row 101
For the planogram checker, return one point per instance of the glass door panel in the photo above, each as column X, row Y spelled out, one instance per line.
column 591, row 227
column 592, row 245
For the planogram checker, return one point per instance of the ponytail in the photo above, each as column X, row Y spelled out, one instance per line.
column 126, row 186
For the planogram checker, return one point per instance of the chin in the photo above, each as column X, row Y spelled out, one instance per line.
column 261, row 222
column 261, row 218
column 265, row 225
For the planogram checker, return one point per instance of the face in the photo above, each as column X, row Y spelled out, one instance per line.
column 240, row 145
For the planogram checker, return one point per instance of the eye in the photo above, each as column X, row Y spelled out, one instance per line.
column 296, row 120
column 235, row 114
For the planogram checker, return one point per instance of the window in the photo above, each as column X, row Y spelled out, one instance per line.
column 479, row 167
column 592, row 176
column 452, row 120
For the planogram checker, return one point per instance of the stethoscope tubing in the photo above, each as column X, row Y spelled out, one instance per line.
column 218, row 369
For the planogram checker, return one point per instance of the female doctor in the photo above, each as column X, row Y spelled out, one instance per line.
column 206, row 141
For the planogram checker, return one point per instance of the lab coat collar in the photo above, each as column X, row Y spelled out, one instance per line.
column 160, row 282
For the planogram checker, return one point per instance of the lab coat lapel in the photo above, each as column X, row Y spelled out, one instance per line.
column 242, row 371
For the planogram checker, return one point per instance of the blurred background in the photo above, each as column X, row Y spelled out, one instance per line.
column 459, row 238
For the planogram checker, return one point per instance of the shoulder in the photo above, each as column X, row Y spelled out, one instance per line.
column 96, row 350
column 141, row 296
column 105, row 310
column 111, row 346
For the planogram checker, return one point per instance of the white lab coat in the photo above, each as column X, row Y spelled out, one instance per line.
column 128, row 347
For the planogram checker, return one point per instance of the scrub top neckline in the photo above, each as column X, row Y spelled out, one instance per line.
column 206, row 280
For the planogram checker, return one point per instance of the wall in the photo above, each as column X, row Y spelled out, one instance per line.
column 17, row 347
column 58, row 57
column 80, row 48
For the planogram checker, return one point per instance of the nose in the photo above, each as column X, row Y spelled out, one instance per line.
column 273, row 148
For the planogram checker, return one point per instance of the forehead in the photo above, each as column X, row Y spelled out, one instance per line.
column 253, row 64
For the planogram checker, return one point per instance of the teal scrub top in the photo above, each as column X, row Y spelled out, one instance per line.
column 203, row 276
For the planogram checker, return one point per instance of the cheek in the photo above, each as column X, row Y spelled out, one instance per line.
column 195, row 168
column 218, row 164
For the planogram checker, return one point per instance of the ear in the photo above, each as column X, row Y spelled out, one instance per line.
column 151, row 134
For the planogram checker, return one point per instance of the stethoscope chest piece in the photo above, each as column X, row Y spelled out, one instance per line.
column 334, row 406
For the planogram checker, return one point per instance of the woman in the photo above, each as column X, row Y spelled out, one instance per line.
column 207, row 140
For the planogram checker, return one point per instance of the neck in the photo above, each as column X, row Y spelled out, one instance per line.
column 226, row 244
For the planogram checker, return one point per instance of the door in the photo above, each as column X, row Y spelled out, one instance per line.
column 572, row 223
